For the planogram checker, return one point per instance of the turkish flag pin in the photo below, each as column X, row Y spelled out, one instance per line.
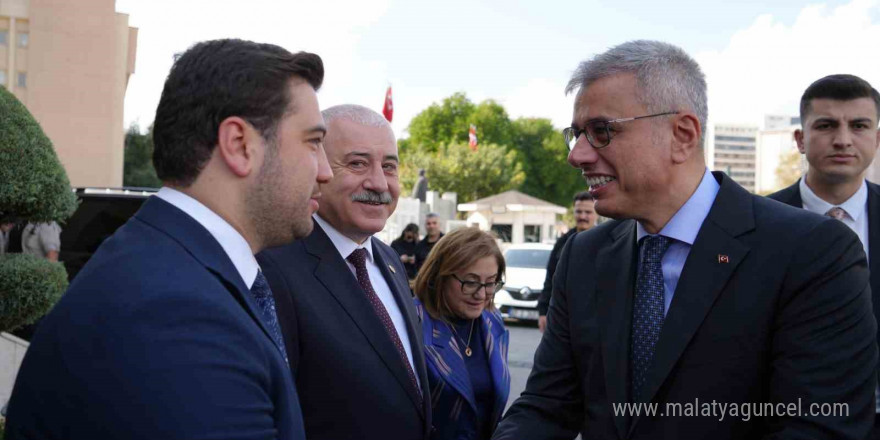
column 723, row 258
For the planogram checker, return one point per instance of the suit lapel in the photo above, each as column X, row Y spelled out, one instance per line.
column 874, row 243
column 495, row 341
column 614, row 288
column 445, row 353
column 399, row 286
column 205, row 248
column 712, row 260
column 333, row 272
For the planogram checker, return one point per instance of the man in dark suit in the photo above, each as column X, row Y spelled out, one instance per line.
column 169, row 331
column 584, row 218
column 343, row 298
column 701, row 304
column 839, row 137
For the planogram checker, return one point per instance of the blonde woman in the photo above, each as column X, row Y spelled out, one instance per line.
column 465, row 339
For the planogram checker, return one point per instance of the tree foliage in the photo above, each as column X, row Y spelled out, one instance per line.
column 33, row 184
column 535, row 146
column 544, row 158
column 789, row 169
column 33, row 188
column 138, row 167
column 471, row 174
column 30, row 286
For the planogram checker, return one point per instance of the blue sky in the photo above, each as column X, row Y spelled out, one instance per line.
column 758, row 56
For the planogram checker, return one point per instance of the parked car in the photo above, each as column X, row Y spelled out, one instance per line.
column 100, row 213
column 526, row 269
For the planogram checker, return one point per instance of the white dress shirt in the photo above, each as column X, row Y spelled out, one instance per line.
column 856, row 208
column 345, row 246
column 230, row 240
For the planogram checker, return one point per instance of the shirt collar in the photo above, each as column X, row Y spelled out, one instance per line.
column 685, row 224
column 343, row 244
column 232, row 242
column 854, row 206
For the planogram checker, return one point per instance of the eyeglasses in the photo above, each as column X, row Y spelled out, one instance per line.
column 471, row 287
column 599, row 133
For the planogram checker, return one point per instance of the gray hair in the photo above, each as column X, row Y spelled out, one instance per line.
column 668, row 77
column 355, row 113
column 431, row 215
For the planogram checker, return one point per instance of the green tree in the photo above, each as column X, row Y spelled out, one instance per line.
column 536, row 146
column 138, row 167
column 544, row 159
column 789, row 169
column 471, row 174
column 441, row 124
column 33, row 188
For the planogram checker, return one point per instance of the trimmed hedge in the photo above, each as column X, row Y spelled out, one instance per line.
column 33, row 184
column 30, row 286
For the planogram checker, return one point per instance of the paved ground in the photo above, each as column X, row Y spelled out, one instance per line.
column 524, row 339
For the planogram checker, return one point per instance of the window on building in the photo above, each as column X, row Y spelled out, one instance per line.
column 532, row 233
column 23, row 38
column 22, row 80
column 4, row 37
column 503, row 232
column 3, row 78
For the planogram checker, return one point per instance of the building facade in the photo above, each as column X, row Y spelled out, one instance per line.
column 514, row 217
column 69, row 62
column 774, row 145
column 733, row 152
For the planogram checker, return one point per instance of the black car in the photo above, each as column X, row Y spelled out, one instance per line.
column 100, row 213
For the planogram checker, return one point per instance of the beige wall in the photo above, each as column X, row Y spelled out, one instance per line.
column 78, row 61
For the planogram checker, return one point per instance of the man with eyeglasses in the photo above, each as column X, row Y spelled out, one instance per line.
column 698, row 295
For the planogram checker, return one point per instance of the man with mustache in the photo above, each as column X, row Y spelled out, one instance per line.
column 585, row 218
column 343, row 299
column 839, row 138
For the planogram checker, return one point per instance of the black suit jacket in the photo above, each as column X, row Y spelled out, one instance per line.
column 773, row 305
column 351, row 381
column 792, row 196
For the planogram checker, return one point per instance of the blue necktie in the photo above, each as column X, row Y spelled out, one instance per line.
column 263, row 295
column 647, row 319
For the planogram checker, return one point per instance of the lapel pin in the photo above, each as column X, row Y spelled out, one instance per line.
column 390, row 267
column 723, row 258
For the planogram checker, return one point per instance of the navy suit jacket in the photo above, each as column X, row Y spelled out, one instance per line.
column 352, row 382
column 452, row 395
column 157, row 338
column 792, row 196
column 773, row 306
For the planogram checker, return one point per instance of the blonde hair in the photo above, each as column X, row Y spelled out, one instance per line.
column 454, row 252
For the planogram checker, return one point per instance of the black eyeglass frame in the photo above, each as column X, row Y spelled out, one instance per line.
column 572, row 134
column 497, row 285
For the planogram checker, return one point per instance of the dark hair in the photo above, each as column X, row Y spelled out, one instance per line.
column 412, row 227
column 840, row 87
column 583, row 195
column 454, row 252
column 214, row 80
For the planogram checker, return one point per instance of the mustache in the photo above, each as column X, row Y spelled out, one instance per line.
column 372, row 197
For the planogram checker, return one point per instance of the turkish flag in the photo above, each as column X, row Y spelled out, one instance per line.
column 472, row 137
column 388, row 109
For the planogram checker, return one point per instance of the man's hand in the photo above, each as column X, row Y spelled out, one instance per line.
column 542, row 323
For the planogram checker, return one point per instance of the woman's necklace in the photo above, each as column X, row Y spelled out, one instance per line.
column 467, row 347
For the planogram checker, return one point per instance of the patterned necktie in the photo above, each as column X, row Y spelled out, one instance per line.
column 836, row 212
column 263, row 295
column 647, row 319
column 358, row 259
